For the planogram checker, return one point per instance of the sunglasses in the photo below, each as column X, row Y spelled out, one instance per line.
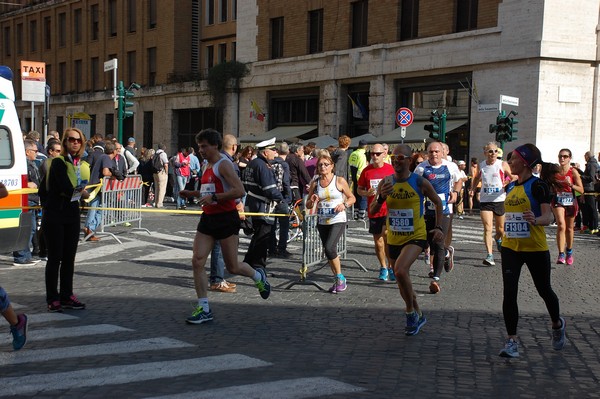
column 54, row 150
column 398, row 158
column 492, row 151
column 75, row 140
column 376, row 153
column 564, row 156
column 323, row 165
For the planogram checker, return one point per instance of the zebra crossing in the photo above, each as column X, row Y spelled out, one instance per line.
column 45, row 327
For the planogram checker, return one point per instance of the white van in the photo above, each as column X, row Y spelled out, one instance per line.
column 15, row 223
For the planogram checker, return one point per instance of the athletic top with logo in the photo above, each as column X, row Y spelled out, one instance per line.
column 442, row 177
column 213, row 183
column 405, row 220
column 329, row 198
column 370, row 178
column 519, row 235
column 492, row 182
column 565, row 196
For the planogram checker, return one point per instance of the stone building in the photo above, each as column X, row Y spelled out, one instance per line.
column 320, row 67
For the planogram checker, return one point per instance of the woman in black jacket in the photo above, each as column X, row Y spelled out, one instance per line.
column 60, row 191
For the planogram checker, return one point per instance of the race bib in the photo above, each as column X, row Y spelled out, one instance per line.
column 401, row 220
column 565, row 199
column 207, row 189
column 515, row 225
column 374, row 183
column 431, row 205
column 325, row 212
column 491, row 190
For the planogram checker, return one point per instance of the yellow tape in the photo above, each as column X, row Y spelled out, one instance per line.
column 35, row 190
column 153, row 210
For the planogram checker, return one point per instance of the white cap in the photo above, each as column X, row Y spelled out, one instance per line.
column 263, row 145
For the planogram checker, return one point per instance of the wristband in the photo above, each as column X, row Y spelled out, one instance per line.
column 380, row 200
column 439, row 228
column 346, row 205
column 214, row 198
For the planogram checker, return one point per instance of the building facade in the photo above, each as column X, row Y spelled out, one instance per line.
column 321, row 67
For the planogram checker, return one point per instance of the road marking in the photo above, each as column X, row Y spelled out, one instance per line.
column 92, row 252
column 37, row 383
column 298, row 388
column 69, row 332
column 112, row 348
column 47, row 317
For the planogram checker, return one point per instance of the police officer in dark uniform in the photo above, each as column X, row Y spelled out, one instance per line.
column 262, row 195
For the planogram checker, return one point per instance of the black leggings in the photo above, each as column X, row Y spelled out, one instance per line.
column 62, row 240
column 437, row 248
column 330, row 236
column 538, row 264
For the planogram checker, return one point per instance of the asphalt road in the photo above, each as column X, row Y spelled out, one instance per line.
column 302, row 342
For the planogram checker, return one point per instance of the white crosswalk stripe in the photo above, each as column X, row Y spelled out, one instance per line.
column 299, row 388
column 38, row 383
column 46, row 334
column 112, row 348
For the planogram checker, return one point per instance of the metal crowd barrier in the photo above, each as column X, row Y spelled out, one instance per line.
column 313, row 252
column 126, row 195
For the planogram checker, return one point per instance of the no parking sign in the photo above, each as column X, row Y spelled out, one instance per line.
column 404, row 118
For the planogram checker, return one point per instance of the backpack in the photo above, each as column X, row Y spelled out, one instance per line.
column 157, row 164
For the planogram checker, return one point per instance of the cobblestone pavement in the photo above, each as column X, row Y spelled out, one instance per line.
column 302, row 342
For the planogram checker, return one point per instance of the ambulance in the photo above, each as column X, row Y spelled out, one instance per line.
column 15, row 222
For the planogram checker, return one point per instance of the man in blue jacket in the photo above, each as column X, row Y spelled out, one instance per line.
column 262, row 195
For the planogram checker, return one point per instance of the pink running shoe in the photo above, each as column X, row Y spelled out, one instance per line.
column 561, row 259
column 569, row 259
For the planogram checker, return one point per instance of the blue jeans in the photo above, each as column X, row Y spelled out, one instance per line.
column 180, row 182
column 24, row 255
column 94, row 217
column 217, row 264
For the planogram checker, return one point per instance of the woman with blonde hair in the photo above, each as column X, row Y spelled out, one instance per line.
column 60, row 191
column 332, row 196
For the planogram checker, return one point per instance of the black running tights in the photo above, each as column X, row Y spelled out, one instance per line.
column 538, row 264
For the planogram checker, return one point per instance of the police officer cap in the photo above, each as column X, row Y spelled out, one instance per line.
column 263, row 145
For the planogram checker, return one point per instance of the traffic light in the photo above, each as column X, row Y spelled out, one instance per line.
column 512, row 128
column 123, row 104
column 434, row 129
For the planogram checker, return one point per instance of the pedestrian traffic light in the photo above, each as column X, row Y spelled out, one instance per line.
column 434, row 129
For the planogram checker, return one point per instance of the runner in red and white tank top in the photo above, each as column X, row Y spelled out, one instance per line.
column 221, row 187
column 212, row 183
column 564, row 206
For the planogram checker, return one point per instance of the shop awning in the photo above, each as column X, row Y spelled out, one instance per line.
column 280, row 132
column 367, row 136
column 322, row 141
column 416, row 133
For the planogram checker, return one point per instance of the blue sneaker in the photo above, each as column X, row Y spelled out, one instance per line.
column 510, row 350
column 558, row 336
column 19, row 332
column 499, row 244
column 199, row 316
column 383, row 274
column 391, row 274
column 414, row 322
column 264, row 288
